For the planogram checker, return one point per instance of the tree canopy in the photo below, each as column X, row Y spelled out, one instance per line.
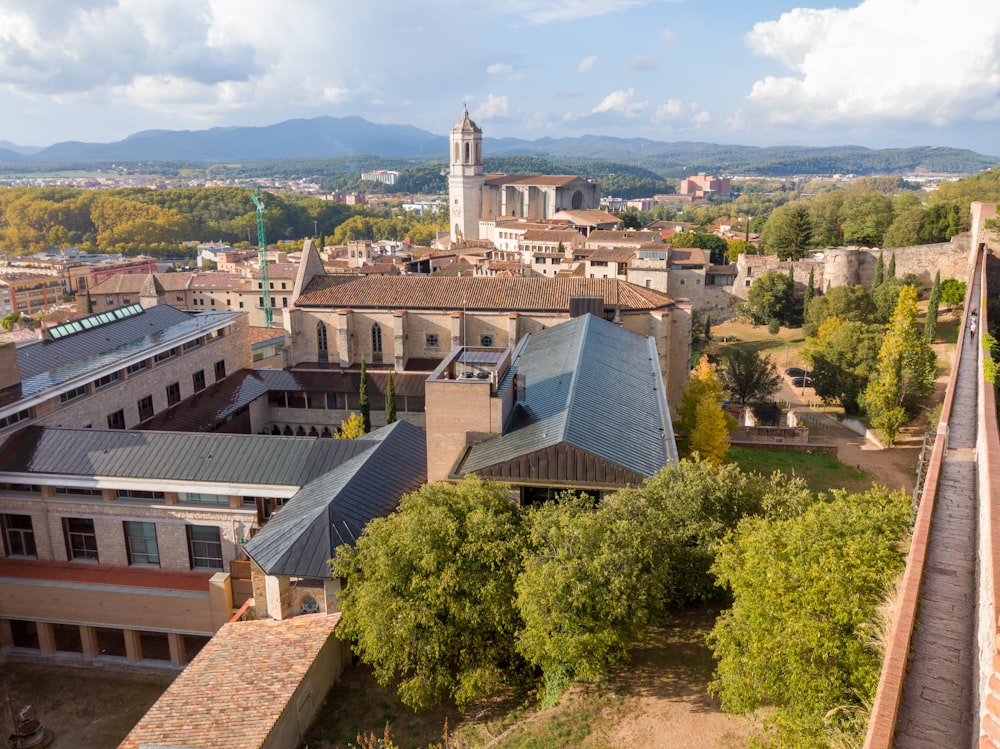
column 770, row 298
column 429, row 600
column 806, row 591
column 843, row 354
column 702, row 419
column 750, row 375
column 788, row 232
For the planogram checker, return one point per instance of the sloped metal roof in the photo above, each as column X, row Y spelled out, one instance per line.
column 590, row 384
column 46, row 364
column 174, row 456
column 333, row 509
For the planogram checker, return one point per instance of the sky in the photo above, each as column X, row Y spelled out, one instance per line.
column 877, row 73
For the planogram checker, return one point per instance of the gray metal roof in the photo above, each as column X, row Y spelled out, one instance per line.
column 333, row 510
column 47, row 364
column 590, row 384
column 174, row 456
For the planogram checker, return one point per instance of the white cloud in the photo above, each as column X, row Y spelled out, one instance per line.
column 546, row 11
column 672, row 109
column 494, row 106
column 879, row 62
column 587, row 63
column 668, row 36
column 621, row 101
column 643, row 64
column 500, row 68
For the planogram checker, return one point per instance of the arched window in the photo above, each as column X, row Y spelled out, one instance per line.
column 322, row 344
column 457, row 154
column 479, row 153
column 376, row 340
column 577, row 200
column 468, row 153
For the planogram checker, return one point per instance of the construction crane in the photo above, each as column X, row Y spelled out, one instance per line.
column 265, row 283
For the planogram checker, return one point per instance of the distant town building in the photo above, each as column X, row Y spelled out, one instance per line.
column 380, row 175
column 705, row 186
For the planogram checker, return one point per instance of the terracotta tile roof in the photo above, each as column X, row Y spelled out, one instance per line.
column 630, row 236
column 131, row 283
column 546, row 180
column 688, row 256
column 551, row 235
column 279, row 270
column 478, row 293
column 218, row 281
column 260, row 335
column 591, row 217
column 234, row 691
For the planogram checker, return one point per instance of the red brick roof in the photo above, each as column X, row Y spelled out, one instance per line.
column 234, row 691
column 477, row 293
column 131, row 283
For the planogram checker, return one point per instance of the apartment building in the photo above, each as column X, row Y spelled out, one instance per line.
column 118, row 369
column 127, row 547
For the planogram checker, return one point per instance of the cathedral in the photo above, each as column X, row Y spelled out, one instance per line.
column 475, row 197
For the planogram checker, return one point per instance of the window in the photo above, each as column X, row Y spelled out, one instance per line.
column 81, row 540
column 145, row 408
column 284, row 301
column 432, row 340
column 140, row 543
column 208, row 499
column 106, row 380
column 193, row 344
column 261, row 301
column 140, row 494
column 205, row 547
column 173, row 393
column 198, row 380
column 18, row 536
column 116, row 420
column 164, row 355
column 220, row 370
column 486, row 341
column 747, row 282
column 74, row 393
column 137, row 367
column 649, row 283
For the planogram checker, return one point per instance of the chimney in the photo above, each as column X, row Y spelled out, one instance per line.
column 10, row 372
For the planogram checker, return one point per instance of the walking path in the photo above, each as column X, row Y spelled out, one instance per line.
column 938, row 699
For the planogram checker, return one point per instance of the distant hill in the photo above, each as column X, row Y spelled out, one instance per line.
column 331, row 137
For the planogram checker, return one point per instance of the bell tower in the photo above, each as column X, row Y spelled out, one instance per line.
column 465, row 178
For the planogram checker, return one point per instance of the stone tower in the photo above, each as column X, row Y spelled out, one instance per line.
column 465, row 178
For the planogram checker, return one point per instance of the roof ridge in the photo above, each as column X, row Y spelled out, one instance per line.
column 581, row 337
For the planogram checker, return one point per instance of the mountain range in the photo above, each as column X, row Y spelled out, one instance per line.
column 330, row 137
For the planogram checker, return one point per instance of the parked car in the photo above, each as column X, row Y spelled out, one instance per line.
column 802, row 382
column 795, row 372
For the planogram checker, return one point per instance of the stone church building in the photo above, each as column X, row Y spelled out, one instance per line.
column 475, row 197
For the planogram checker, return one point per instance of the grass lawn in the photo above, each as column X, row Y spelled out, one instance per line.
column 821, row 471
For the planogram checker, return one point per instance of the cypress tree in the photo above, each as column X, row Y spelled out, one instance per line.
column 891, row 273
column 930, row 320
column 879, row 273
column 390, row 401
column 366, row 409
column 807, row 295
column 708, row 327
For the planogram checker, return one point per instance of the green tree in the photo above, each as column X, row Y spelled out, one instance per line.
column 429, row 599
column 737, row 247
column 844, row 302
column 905, row 229
column 629, row 220
column 750, row 375
column 788, row 232
column 867, row 216
column 351, row 428
column 9, row 321
column 806, row 591
column 953, row 292
column 879, row 272
column 933, row 302
column 891, row 270
column 390, row 400
column 366, row 410
column 904, row 376
column 842, row 356
column 807, row 294
column 770, row 298
column 584, row 593
column 702, row 420
column 886, row 296
column 708, row 327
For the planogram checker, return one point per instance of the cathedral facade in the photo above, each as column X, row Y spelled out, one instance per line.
column 475, row 197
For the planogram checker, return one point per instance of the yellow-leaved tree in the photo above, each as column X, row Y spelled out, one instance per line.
column 703, row 422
